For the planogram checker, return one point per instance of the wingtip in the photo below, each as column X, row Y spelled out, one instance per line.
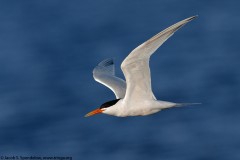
column 192, row 18
column 106, row 62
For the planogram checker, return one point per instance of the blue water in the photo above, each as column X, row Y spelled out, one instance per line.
column 49, row 48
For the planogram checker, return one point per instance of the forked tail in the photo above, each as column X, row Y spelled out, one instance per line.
column 185, row 104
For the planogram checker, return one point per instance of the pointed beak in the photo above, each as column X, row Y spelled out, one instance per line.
column 96, row 111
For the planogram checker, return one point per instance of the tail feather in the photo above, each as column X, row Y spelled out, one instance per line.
column 185, row 104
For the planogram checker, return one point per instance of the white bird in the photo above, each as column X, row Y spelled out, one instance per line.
column 135, row 97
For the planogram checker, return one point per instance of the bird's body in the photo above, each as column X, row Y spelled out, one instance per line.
column 135, row 96
column 141, row 108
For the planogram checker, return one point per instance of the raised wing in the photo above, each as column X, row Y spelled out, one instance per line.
column 104, row 73
column 136, row 65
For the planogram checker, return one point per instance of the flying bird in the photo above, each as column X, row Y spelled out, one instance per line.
column 134, row 97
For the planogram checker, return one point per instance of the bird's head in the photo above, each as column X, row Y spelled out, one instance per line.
column 103, row 108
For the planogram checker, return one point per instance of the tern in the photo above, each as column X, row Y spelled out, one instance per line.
column 135, row 97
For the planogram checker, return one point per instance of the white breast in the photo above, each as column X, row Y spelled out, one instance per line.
column 140, row 108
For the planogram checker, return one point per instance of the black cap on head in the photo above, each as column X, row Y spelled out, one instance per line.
column 109, row 103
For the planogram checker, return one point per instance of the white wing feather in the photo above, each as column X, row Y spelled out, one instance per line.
column 136, row 65
column 104, row 73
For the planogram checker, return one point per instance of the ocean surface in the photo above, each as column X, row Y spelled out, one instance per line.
column 48, row 50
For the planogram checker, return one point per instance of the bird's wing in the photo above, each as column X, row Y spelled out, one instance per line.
column 136, row 65
column 104, row 73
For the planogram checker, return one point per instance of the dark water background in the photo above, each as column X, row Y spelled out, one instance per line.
column 49, row 48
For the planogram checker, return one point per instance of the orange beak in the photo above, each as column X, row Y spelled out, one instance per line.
column 96, row 111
